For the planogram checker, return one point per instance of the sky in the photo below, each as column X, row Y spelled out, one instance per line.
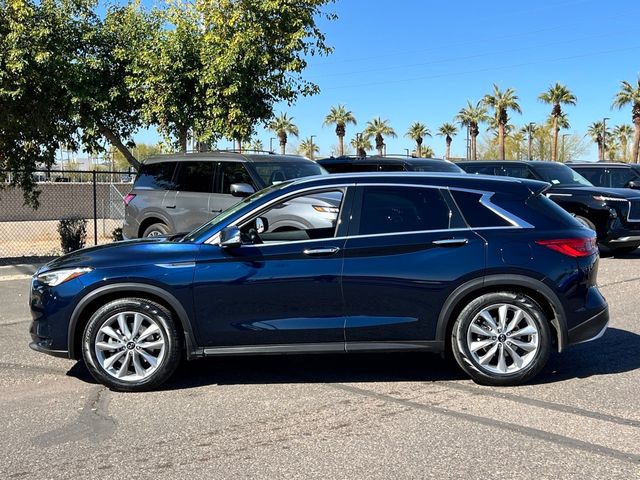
column 412, row 60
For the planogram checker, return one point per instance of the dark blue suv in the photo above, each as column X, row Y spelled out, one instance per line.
column 487, row 267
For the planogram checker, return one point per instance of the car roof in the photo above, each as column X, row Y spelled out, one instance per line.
column 509, row 162
column 603, row 164
column 249, row 157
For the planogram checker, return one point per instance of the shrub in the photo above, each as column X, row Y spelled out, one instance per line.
column 116, row 234
column 73, row 233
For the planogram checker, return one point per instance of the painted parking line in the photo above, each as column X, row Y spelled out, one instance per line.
column 8, row 278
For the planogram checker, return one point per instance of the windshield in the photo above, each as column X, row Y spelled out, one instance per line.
column 438, row 167
column 273, row 173
column 231, row 211
column 561, row 175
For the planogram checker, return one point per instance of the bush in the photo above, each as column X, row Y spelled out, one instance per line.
column 73, row 233
column 116, row 234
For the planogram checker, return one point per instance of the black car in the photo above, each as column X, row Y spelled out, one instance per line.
column 348, row 164
column 614, row 213
column 610, row 175
column 489, row 268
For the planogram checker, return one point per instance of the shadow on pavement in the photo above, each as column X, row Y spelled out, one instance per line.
column 615, row 352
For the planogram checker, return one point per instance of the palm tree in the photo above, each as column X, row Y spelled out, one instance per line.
column 622, row 133
column 361, row 144
column 630, row 95
column 377, row 128
column 595, row 131
column 256, row 144
column 501, row 103
column 426, row 152
column 417, row 131
column 471, row 116
column 557, row 95
column 340, row 117
column 448, row 131
column 281, row 126
column 308, row 148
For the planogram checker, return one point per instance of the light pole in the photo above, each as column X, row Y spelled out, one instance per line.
column 604, row 137
column 531, row 125
column 407, row 151
column 564, row 155
column 271, row 144
column 311, row 149
column 468, row 144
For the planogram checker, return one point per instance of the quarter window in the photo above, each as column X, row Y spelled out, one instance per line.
column 155, row 176
column 476, row 214
column 403, row 209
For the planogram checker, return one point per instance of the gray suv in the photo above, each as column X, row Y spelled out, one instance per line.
column 177, row 193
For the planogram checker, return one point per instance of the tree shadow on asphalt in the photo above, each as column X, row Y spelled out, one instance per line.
column 615, row 352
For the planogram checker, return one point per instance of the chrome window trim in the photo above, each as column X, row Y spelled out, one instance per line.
column 485, row 200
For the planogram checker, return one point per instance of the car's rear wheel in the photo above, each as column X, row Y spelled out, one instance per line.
column 501, row 338
column 131, row 345
column 156, row 230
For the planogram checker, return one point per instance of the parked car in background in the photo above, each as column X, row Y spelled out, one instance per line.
column 614, row 213
column 489, row 268
column 177, row 193
column 610, row 175
column 347, row 164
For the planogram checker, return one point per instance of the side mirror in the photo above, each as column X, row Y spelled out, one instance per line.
column 230, row 237
column 242, row 190
column 262, row 225
column 635, row 184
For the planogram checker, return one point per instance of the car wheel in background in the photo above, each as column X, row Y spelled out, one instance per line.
column 501, row 338
column 131, row 344
column 156, row 230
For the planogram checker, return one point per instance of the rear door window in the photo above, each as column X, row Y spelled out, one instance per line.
column 480, row 169
column 594, row 175
column 230, row 173
column 195, row 177
column 620, row 177
column 404, row 209
column 155, row 176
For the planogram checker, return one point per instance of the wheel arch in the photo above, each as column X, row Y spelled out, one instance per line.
column 538, row 291
column 91, row 302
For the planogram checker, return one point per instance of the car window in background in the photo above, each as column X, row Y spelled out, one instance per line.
column 516, row 171
column 480, row 169
column 391, row 167
column 594, row 175
column 620, row 177
column 561, row 175
column 230, row 173
column 274, row 172
column 155, row 176
column 439, row 167
column 195, row 177
column 404, row 209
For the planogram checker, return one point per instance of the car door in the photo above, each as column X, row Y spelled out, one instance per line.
column 279, row 287
column 193, row 184
column 408, row 249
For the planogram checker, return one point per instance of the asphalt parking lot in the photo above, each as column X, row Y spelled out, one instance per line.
column 368, row 416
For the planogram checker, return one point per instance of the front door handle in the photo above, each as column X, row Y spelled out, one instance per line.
column 321, row 251
column 451, row 242
column 216, row 211
column 170, row 206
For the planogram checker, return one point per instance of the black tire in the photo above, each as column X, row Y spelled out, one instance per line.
column 156, row 229
column 170, row 354
column 483, row 375
column 586, row 222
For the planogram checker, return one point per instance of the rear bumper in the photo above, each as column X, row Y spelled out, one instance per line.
column 591, row 329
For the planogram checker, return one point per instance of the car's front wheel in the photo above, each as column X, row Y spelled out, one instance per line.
column 131, row 344
column 501, row 338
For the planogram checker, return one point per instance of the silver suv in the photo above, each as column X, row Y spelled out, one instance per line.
column 177, row 193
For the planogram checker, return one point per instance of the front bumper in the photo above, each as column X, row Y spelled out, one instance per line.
column 43, row 345
column 590, row 329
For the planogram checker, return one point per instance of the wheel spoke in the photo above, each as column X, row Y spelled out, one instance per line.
column 528, row 330
column 502, row 317
column 526, row 346
column 109, row 346
column 140, row 371
column 137, row 322
column 489, row 355
column 517, row 359
column 478, row 330
column 486, row 316
column 124, row 328
column 475, row 346
column 152, row 345
column 502, row 361
column 107, row 330
column 150, row 330
column 108, row 363
column 153, row 361
column 517, row 317
column 124, row 368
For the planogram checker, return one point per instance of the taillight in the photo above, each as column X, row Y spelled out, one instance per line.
column 128, row 197
column 572, row 247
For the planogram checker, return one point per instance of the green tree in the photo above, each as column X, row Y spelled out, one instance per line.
column 425, row 152
column 629, row 94
column 340, row 117
column 595, row 131
column 378, row 129
column 256, row 144
column 417, row 131
column 501, row 103
column 282, row 126
column 140, row 151
column 448, row 131
column 557, row 95
column 361, row 143
column 308, row 148
column 471, row 117
column 622, row 133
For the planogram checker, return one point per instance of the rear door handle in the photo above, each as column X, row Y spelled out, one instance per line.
column 216, row 211
column 321, row 251
column 451, row 242
column 170, row 206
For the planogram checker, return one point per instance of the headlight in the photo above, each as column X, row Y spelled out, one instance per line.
column 602, row 198
column 56, row 277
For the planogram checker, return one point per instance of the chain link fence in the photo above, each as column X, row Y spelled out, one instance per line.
column 95, row 196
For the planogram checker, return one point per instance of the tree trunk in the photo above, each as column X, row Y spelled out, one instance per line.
column 636, row 141
column 554, row 146
column 283, row 142
column 341, row 145
column 501, row 140
column 183, row 133
column 600, row 151
column 379, row 144
column 623, row 146
column 116, row 142
column 419, row 147
column 473, row 147
column 447, row 154
column 238, row 145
